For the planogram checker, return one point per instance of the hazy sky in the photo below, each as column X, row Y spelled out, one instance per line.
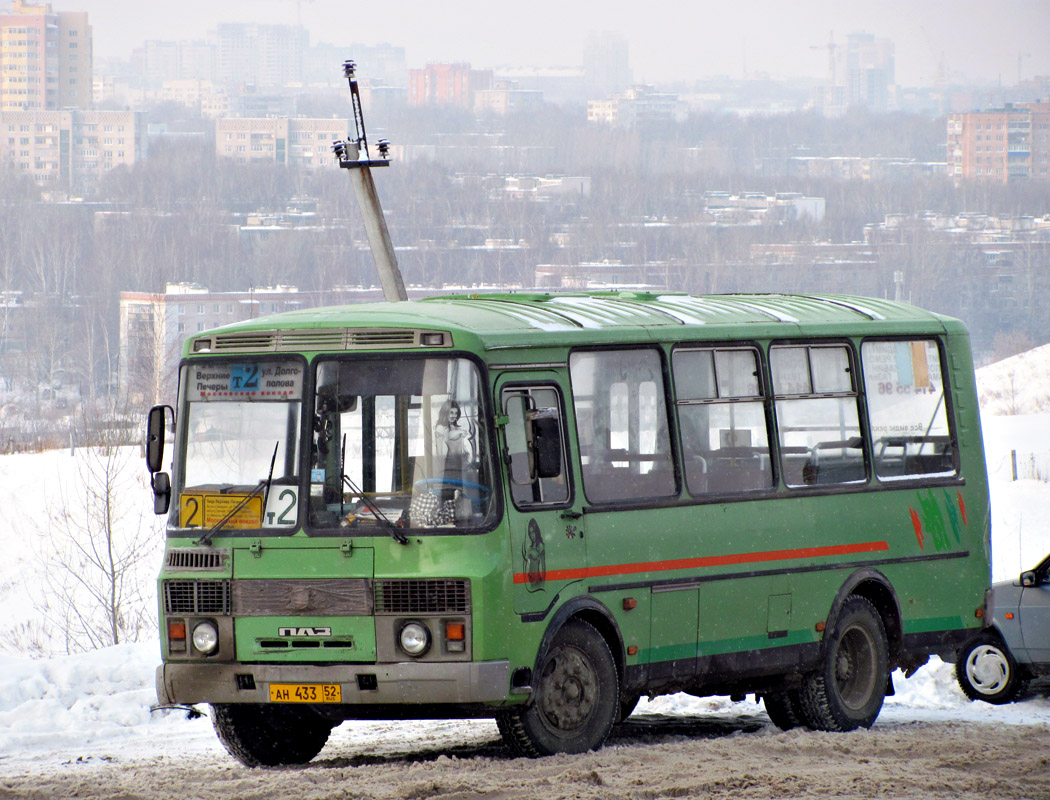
column 669, row 39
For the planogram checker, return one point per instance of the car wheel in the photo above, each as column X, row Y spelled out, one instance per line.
column 986, row 671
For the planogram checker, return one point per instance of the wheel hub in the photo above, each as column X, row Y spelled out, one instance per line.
column 855, row 668
column 570, row 691
column 989, row 671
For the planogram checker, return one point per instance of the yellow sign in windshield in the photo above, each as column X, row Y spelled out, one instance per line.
column 208, row 510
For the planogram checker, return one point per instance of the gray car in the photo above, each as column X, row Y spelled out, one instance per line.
column 1014, row 646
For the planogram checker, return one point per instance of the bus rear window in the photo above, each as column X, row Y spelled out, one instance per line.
column 906, row 406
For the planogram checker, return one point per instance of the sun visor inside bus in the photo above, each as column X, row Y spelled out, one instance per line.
column 372, row 378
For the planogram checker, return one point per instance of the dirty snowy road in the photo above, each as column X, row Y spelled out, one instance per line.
column 650, row 756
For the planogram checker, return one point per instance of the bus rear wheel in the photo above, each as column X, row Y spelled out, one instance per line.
column 575, row 697
column 847, row 691
column 269, row 736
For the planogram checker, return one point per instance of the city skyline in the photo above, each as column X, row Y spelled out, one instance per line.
column 934, row 40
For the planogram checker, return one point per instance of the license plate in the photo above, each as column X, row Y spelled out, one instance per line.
column 306, row 693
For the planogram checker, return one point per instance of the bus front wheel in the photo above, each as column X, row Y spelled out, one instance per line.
column 784, row 708
column 847, row 690
column 575, row 697
column 268, row 736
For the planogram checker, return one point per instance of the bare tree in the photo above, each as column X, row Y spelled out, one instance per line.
column 97, row 546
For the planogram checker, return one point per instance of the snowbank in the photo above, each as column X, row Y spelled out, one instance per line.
column 1016, row 385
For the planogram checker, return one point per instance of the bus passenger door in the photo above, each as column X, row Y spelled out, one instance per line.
column 546, row 530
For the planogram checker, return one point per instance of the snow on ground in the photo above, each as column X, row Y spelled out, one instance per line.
column 96, row 706
column 1016, row 385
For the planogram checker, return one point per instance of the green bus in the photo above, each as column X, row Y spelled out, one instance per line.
column 541, row 507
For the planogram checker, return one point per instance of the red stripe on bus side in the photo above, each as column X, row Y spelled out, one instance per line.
column 708, row 561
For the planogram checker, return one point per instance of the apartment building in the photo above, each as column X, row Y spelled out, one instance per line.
column 505, row 100
column 153, row 326
column 447, row 84
column 159, row 61
column 260, row 55
column 290, row 140
column 870, row 73
column 71, row 149
column 637, row 105
column 1001, row 144
column 45, row 58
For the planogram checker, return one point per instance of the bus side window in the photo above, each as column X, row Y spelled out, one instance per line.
column 905, row 390
column 721, row 414
column 621, row 421
column 816, row 406
column 528, row 486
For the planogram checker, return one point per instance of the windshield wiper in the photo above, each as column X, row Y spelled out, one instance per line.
column 395, row 532
column 263, row 488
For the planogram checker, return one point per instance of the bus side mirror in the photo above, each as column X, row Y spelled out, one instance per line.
column 155, row 437
column 161, row 492
column 545, row 442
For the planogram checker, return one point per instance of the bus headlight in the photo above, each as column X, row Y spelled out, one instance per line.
column 414, row 638
column 205, row 637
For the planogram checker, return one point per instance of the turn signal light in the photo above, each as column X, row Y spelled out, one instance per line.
column 455, row 636
column 177, row 636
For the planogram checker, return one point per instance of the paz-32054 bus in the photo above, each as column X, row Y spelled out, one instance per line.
column 540, row 507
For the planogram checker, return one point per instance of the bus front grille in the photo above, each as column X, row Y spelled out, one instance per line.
column 420, row 596
column 202, row 558
column 196, row 597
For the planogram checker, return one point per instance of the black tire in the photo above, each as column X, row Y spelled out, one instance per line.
column 268, row 736
column 575, row 699
column 784, row 709
column 987, row 671
column 847, row 691
column 628, row 703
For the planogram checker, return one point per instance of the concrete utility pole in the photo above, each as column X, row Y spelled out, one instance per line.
column 350, row 154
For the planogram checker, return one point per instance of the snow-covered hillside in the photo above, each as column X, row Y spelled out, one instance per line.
column 1016, row 385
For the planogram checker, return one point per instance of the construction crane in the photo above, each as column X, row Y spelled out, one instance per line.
column 831, row 47
column 354, row 156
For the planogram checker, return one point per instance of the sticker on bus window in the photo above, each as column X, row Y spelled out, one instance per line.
column 207, row 510
column 282, row 507
column 252, row 380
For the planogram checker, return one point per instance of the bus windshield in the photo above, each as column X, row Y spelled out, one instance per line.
column 399, row 442
column 241, row 445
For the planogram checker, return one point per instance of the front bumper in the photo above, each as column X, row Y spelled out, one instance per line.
column 404, row 683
